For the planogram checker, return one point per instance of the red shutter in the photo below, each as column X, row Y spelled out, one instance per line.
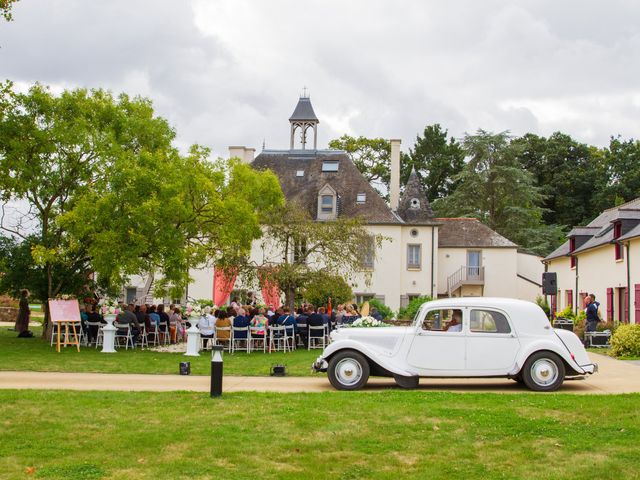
column 572, row 247
column 637, row 303
column 609, row 304
column 570, row 298
column 554, row 306
column 626, row 305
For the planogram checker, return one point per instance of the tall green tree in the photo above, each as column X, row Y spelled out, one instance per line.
column 5, row 9
column 296, row 248
column 437, row 158
column 371, row 156
column 571, row 175
column 106, row 192
column 494, row 188
column 622, row 164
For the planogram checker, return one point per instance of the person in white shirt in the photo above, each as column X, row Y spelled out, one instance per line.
column 455, row 325
column 206, row 325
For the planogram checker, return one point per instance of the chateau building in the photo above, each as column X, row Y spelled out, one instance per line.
column 423, row 255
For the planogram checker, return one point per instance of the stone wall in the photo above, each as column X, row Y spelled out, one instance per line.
column 8, row 314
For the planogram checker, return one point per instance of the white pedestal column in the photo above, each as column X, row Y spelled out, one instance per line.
column 109, row 335
column 193, row 340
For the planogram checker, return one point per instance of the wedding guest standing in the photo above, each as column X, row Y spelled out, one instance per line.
column 22, row 322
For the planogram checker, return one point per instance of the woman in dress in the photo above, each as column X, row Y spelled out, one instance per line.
column 175, row 322
column 22, row 322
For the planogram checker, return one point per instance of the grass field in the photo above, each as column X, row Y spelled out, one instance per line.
column 391, row 434
column 35, row 354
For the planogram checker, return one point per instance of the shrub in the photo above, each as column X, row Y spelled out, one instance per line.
column 566, row 313
column 385, row 311
column 543, row 304
column 323, row 285
column 410, row 310
column 625, row 342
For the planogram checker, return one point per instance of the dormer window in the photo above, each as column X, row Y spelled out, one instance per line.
column 330, row 166
column 327, row 203
column 361, row 198
column 299, row 173
column 414, row 204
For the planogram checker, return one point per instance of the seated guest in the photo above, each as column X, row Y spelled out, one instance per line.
column 164, row 320
column 376, row 314
column 224, row 320
column 94, row 317
column 325, row 316
column 350, row 315
column 273, row 319
column 127, row 317
column 314, row 320
column 260, row 321
column 286, row 318
column 143, row 317
column 301, row 320
column 175, row 322
column 206, row 325
column 241, row 320
column 338, row 314
column 153, row 316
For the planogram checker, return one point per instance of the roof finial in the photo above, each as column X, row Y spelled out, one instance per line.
column 304, row 92
column 264, row 142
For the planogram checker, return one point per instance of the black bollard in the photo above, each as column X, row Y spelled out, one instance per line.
column 216, row 371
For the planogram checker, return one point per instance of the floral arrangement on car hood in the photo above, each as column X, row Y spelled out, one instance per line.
column 368, row 322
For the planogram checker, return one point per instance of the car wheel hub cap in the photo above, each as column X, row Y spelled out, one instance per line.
column 544, row 372
column 348, row 371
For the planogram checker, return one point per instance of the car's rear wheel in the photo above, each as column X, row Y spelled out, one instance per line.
column 348, row 370
column 543, row 372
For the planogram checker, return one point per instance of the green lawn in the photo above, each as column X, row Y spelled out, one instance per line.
column 342, row 435
column 36, row 354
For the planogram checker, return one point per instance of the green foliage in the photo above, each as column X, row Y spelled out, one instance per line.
column 437, row 160
column 371, row 156
column 542, row 303
column 410, row 310
column 385, row 311
column 625, row 342
column 5, row 9
column 566, row 313
column 324, row 285
column 494, row 188
column 110, row 194
column 296, row 247
column 621, row 160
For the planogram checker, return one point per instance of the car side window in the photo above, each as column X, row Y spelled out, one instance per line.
column 445, row 320
column 488, row 321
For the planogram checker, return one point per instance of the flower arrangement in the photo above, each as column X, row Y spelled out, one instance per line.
column 109, row 307
column 193, row 310
column 367, row 322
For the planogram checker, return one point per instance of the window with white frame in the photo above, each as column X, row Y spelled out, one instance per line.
column 330, row 166
column 414, row 256
column 361, row 198
column 326, row 204
column 299, row 173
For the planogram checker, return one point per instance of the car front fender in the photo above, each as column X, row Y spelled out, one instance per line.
column 380, row 357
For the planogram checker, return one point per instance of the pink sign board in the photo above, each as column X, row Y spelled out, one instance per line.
column 64, row 310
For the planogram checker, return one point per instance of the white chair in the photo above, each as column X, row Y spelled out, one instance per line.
column 143, row 340
column 154, row 333
column 242, row 338
column 291, row 336
column 278, row 339
column 66, row 332
column 225, row 339
column 302, row 327
column 89, row 326
column 255, row 336
column 315, row 336
column 100, row 337
column 211, row 341
column 123, row 331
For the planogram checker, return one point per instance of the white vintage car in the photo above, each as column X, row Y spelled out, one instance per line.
column 459, row 337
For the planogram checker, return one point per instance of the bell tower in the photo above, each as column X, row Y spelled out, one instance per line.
column 303, row 120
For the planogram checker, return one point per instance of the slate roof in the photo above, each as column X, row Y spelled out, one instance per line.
column 600, row 228
column 348, row 182
column 304, row 111
column 634, row 232
column 469, row 233
column 420, row 214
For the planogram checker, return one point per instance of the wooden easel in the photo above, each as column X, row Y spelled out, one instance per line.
column 67, row 341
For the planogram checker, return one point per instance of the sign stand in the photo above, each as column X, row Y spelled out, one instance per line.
column 65, row 313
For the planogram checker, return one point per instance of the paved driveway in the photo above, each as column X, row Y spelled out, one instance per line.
column 615, row 376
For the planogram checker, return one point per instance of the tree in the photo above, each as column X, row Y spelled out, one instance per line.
column 323, row 286
column 372, row 156
column 571, row 175
column 622, row 163
column 296, row 248
column 5, row 9
column 494, row 188
column 437, row 160
column 105, row 191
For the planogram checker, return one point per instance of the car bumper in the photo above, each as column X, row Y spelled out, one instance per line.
column 590, row 368
column 320, row 365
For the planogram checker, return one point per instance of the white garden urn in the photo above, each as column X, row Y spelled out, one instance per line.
column 109, row 335
column 193, row 340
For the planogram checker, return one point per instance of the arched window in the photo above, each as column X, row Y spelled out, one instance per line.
column 327, row 203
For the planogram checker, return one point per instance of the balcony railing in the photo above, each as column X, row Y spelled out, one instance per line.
column 465, row 275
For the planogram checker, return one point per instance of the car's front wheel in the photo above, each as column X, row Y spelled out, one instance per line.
column 543, row 372
column 348, row 370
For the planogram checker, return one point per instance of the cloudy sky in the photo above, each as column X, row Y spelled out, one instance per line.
column 230, row 72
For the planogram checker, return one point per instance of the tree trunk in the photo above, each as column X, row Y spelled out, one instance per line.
column 290, row 298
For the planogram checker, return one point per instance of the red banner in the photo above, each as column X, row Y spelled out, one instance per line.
column 223, row 282
column 270, row 290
